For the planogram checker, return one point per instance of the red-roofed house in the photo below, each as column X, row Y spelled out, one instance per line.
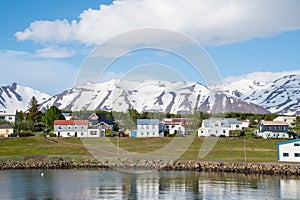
column 175, row 125
column 71, row 128
column 273, row 129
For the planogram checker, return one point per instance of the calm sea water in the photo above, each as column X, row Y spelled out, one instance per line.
column 101, row 184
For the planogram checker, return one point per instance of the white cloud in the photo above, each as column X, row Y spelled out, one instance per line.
column 54, row 53
column 211, row 22
column 264, row 77
column 49, row 76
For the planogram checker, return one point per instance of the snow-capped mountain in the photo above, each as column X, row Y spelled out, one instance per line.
column 245, row 95
column 279, row 96
column 16, row 97
column 161, row 96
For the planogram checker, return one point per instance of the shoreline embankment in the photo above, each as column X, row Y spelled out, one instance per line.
column 287, row 169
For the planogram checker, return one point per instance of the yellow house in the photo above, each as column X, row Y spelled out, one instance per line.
column 6, row 130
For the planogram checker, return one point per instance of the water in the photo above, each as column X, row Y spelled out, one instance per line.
column 101, row 184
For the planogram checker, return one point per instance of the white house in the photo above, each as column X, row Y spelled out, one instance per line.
column 9, row 117
column 6, row 130
column 71, row 128
column 289, row 151
column 218, row 127
column 175, row 125
column 149, row 128
column 288, row 119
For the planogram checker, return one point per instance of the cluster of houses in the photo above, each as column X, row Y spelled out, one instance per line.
column 96, row 125
column 91, row 125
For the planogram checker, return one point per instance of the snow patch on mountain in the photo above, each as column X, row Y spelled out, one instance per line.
column 16, row 97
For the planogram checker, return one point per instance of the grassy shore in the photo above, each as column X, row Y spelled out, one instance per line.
column 226, row 149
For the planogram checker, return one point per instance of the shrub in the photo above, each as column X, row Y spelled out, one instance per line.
column 26, row 134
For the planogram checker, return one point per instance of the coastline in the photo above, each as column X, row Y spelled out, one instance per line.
column 287, row 169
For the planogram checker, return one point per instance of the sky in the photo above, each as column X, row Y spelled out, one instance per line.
column 47, row 44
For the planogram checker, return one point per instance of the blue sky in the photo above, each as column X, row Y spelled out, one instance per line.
column 43, row 44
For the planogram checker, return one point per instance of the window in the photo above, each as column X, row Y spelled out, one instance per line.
column 297, row 154
column 59, row 127
column 147, row 126
column 285, row 154
column 153, row 126
column 81, row 134
column 93, row 132
column 237, row 126
column 69, row 127
column 68, row 134
column 75, row 127
column 224, row 131
column 296, row 144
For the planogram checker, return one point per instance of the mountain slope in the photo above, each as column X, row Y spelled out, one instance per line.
column 279, row 96
column 15, row 97
column 159, row 96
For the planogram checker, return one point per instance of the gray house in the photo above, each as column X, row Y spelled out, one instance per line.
column 273, row 129
column 149, row 128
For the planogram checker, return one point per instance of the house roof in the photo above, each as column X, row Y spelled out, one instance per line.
column 148, row 121
column 224, row 122
column 71, row 122
column 92, row 116
column 67, row 114
column 274, row 123
column 96, row 122
column 5, row 126
column 183, row 121
column 287, row 142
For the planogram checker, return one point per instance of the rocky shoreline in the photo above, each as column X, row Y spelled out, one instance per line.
column 287, row 169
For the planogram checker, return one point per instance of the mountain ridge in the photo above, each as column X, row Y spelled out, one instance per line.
column 245, row 95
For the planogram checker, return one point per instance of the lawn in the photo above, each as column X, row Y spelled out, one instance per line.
column 225, row 149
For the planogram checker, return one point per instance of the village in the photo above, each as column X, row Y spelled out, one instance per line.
column 96, row 125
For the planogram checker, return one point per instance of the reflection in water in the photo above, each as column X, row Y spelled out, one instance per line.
column 94, row 184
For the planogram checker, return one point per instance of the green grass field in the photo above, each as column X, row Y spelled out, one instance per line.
column 226, row 149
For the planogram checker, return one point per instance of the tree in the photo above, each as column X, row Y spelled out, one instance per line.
column 33, row 110
column 51, row 114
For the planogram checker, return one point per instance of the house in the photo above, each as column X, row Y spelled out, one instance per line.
column 9, row 117
column 71, row 128
column 273, row 129
column 288, row 151
column 245, row 123
column 175, row 125
column 288, row 119
column 149, row 128
column 219, row 127
column 99, row 121
column 6, row 130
